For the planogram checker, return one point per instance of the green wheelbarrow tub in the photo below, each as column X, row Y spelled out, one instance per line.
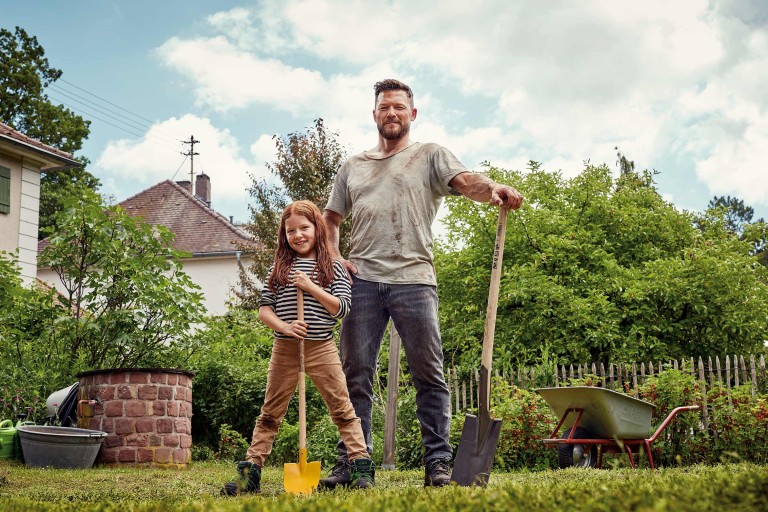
column 607, row 414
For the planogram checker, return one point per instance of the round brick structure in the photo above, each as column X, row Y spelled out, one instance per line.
column 146, row 412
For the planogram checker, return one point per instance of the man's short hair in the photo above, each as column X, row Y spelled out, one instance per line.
column 390, row 84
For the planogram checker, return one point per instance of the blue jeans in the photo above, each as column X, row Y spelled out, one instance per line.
column 413, row 309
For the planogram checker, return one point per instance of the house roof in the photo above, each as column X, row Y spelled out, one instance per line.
column 50, row 157
column 199, row 229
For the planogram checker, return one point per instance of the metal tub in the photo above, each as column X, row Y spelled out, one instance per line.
column 607, row 414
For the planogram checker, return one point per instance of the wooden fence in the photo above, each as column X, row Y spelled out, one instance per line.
column 732, row 371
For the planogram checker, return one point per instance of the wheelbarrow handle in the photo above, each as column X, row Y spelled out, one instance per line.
column 670, row 418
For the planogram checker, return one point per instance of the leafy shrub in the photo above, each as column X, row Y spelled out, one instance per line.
column 526, row 420
column 738, row 425
column 19, row 401
column 683, row 441
column 232, row 446
column 202, row 453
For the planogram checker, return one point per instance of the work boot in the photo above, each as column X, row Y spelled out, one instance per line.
column 437, row 472
column 340, row 475
column 248, row 480
column 362, row 473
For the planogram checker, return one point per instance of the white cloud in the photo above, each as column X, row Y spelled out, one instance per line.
column 138, row 164
column 569, row 81
column 226, row 77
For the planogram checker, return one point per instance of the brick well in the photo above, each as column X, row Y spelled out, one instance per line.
column 146, row 412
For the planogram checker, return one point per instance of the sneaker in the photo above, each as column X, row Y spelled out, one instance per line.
column 340, row 475
column 362, row 473
column 437, row 472
column 248, row 480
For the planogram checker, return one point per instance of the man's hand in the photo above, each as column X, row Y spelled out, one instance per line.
column 351, row 268
column 482, row 189
column 506, row 196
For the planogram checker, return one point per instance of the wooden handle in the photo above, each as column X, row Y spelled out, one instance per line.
column 493, row 302
column 302, row 384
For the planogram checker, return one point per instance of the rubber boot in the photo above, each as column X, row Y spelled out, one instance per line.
column 248, row 480
column 362, row 473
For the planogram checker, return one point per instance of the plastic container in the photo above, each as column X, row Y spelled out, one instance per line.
column 7, row 439
column 59, row 447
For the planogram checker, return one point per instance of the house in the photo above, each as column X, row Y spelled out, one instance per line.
column 22, row 159
column 212, row 241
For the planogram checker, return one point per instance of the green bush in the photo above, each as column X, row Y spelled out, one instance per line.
column 232, row 446
column 683, row 441
column 738, row 426
column 526, row 420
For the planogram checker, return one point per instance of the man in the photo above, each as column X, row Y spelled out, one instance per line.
column 393, row 193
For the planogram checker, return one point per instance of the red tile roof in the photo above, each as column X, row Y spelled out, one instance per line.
column 17, row 135
column 198, row 228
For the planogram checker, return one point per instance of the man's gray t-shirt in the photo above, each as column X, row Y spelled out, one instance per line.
column 393, row 201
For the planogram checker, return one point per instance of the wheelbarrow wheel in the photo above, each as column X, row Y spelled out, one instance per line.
column 577, row 455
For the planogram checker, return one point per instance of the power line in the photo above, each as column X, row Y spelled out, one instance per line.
column 175, row 136
column 125, row 123
column 109, row 113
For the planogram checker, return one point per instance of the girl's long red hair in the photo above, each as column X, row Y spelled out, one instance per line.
column 285, row 256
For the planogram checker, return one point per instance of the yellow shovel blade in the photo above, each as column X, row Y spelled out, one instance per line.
column 301, row 478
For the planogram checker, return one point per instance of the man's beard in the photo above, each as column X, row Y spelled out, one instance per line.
column 390, row 133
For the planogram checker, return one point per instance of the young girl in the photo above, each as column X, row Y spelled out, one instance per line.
column 302, row 260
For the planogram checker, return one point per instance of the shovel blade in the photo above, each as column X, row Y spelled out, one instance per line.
column 302, row 477
column 477, row 449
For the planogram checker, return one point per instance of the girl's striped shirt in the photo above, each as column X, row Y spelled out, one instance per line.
column 319, row 320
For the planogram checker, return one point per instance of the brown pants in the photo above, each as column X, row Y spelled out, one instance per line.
column 322, row 364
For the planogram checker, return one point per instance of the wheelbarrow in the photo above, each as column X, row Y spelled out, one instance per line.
column 597, row 417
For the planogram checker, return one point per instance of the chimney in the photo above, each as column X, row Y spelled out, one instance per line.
column 186, row 185
column 203, row 188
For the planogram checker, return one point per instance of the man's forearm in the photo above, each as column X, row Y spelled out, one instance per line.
column 477, row 187
column 332, row 221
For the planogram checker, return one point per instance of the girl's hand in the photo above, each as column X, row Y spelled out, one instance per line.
column 302, row 280
column 296, row 329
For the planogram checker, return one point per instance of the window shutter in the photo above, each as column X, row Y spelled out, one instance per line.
column 5, row 190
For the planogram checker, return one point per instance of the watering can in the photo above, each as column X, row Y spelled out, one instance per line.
column 7, row 439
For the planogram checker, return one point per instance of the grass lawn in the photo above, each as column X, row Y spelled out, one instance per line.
column 732, row 487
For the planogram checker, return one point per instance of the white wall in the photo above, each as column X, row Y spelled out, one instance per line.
column 216, row 277
column 18, row 229
column 29, row 218
column 9, row 222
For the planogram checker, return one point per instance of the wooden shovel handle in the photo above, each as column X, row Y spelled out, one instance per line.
column 493, row 302
column 302, row 384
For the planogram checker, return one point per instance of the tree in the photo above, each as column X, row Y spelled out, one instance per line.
column 127, row 298
column 738, row 220
column 597, row 269
column 625, row 165
column 24, row 105
column 305, row 166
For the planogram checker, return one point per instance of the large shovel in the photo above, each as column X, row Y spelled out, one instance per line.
column 304, row 477
column 480, row 436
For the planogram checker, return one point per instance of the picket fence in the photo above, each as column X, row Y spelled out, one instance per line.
column 732, row 371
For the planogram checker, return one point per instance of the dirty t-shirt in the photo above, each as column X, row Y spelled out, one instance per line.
column 393, row 201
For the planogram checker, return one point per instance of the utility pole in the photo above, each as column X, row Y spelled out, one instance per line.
column 191, row 154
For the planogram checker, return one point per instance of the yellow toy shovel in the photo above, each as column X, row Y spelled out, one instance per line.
column 304, row 477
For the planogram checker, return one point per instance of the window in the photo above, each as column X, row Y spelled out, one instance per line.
column 5, row 190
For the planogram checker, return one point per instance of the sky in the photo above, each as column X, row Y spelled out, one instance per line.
column 679, row 87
